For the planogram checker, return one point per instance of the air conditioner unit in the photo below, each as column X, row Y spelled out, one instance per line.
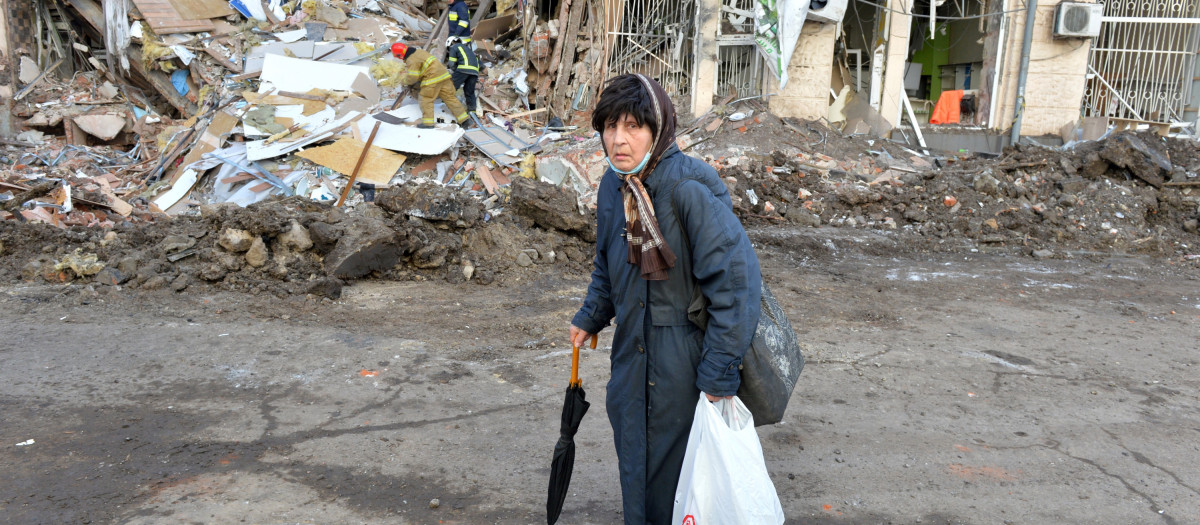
column 1077, row 20
column 826, row 11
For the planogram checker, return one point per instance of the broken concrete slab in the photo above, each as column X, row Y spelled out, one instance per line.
column 105, row 126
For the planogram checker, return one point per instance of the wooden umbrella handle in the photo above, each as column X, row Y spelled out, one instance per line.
column 575, row 362
column 574, row 366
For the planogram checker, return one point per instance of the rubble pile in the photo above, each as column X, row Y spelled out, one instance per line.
column 292, row 245
column 1134, row 193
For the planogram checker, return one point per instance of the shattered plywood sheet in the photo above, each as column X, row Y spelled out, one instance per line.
column 408, row 137
column 165, row 19
column 297, row 75
column 378, row 167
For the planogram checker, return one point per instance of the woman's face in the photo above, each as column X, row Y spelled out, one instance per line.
column 627, row 142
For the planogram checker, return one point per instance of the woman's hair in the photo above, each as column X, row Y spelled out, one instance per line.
column 624, row 95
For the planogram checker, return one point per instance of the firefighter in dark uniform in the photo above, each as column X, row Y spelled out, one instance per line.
column 464, row 69
column 460, row 21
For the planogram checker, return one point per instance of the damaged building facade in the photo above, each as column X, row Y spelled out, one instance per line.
column 1075, row 69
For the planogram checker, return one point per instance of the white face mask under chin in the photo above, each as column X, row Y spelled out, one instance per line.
column 636, row 169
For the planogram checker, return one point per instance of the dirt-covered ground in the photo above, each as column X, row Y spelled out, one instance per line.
column 990, row 340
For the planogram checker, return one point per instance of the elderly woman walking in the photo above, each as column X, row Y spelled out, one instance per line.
column 665, row 229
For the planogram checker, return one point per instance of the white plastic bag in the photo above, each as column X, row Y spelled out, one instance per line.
column 724, row 477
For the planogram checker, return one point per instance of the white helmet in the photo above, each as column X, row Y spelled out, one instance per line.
column 451, row 41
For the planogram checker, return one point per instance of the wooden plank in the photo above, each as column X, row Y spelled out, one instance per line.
column 485, row 176
column 164, row 18
column 560, row 98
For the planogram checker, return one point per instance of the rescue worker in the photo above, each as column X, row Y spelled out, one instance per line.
column 464, row 69
column 435, row 83
column 460, row 21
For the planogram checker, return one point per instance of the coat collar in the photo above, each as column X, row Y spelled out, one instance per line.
column 657, row 179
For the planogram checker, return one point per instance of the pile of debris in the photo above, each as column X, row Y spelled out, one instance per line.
column 1133, row 193
column 277, row 99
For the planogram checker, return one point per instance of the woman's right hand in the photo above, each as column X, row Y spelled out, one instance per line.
column 578, row 336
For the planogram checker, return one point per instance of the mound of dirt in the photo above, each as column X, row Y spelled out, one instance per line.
column 1132, row 193
column 293, row 245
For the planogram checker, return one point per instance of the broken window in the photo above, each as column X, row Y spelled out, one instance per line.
column 655, row 38
column 739, row 65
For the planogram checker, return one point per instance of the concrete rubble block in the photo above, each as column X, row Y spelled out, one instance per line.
column 430, row 256
column 1146, row 162
column 551, row 207
column 524, row 259
column 176, row 243
column 105, row 126
column 296, row 238
column 324, row 236
column 330, row 287
column 235, row 240
column 367, row 245
column 257, row 255
column 545, row 253
column 110, row 276
column 854, row 195
column 432, row 202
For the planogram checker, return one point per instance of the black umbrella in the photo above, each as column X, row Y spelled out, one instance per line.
column 574, row 407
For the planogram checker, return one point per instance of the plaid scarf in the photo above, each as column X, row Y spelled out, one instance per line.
column 647, row 249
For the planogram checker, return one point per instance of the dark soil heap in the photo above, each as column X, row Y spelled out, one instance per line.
column 296, row 246
column 1131, row 193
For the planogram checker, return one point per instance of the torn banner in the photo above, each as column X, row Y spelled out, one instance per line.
column 777, row 26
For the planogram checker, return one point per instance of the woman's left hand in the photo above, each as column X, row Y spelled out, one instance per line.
column 714, row 399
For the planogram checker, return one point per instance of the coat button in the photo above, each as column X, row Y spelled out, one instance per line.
column 652, row 383
column 641, row 350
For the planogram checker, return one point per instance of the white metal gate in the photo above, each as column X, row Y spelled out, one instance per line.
column 1141, row 65
column 654, row 37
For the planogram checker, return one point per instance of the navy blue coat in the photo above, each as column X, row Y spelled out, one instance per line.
column 459, row 20
column 661, row 361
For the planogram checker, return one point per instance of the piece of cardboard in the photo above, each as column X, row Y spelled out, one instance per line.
column 298, row 75
column 378, row 167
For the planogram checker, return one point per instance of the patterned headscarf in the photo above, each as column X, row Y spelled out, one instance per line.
column 647, row 249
